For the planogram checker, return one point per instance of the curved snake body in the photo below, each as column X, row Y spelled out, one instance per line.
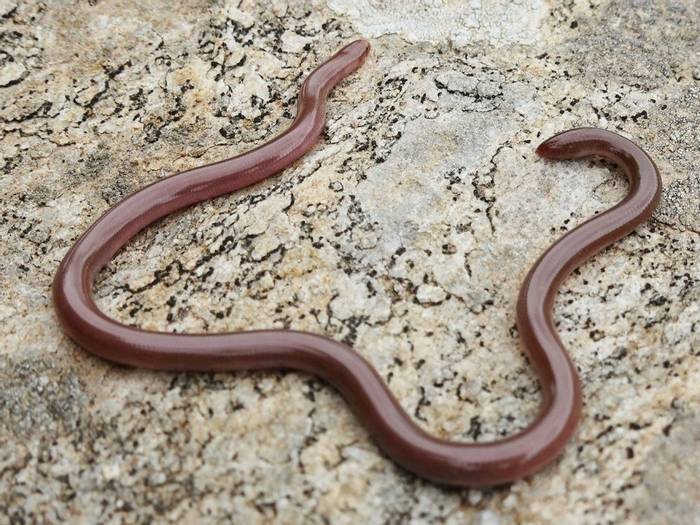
column 439, row 460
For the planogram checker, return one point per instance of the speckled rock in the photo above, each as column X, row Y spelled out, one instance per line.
column 406, row 233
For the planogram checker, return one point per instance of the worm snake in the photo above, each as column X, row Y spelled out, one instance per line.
column 441, row 461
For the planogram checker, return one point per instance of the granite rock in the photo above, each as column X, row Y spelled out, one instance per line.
column 406, row 233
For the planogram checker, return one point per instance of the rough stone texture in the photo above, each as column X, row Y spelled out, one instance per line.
column 405, row 233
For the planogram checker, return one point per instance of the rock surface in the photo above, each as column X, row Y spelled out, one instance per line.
column 405, row 233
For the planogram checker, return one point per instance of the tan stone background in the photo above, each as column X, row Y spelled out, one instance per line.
column 406, row 233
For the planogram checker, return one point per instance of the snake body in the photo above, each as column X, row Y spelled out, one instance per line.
column 442, row 461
